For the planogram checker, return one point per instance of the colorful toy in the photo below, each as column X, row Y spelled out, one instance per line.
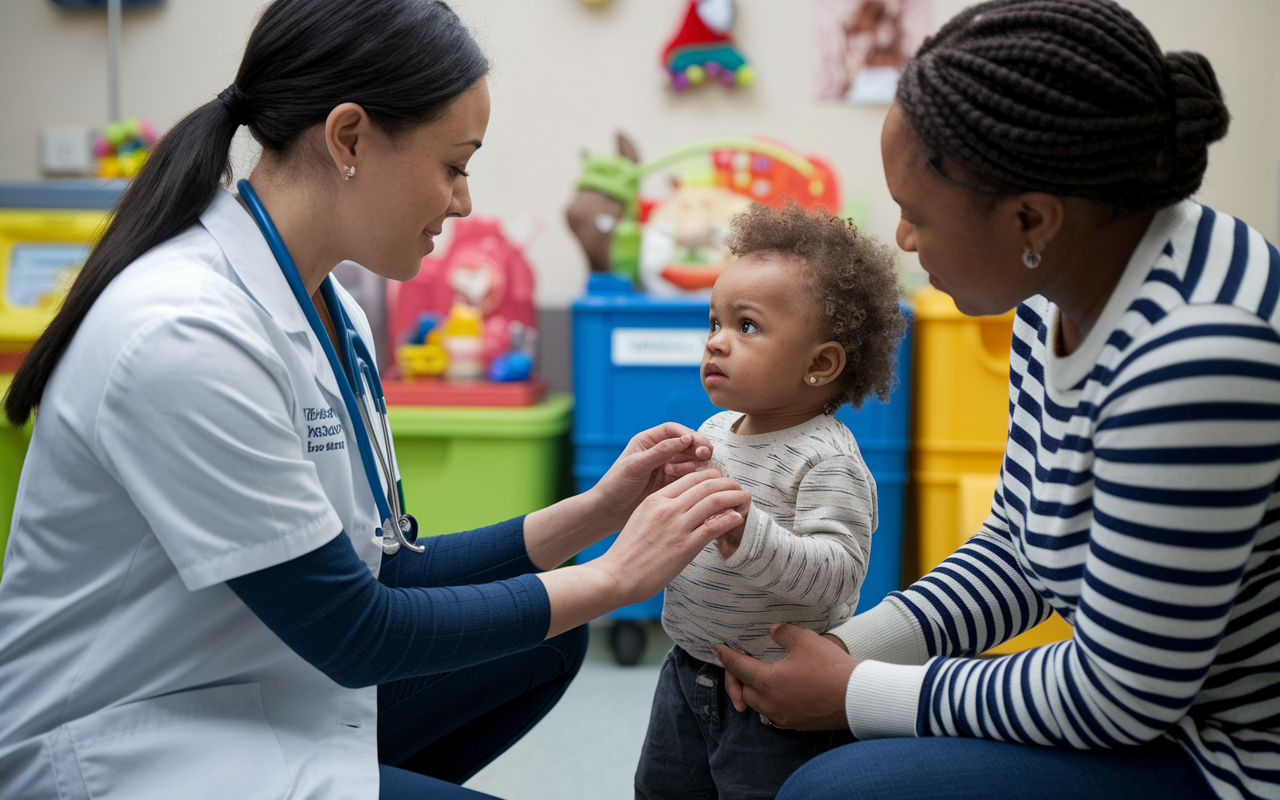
column 474, row 304
column 702, row 48
column 463, row 342
column 423, row 355
column 604, row 188
column 123, row 147
column 717, row 178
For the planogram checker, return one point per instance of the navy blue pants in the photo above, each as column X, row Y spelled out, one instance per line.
column 699, row 747
column 436, row 731
column 943, row 768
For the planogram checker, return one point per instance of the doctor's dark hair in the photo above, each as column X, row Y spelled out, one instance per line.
column 403, row 61
column 1069, row 97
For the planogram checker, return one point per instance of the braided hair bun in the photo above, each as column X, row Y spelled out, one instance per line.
column 1071, row 97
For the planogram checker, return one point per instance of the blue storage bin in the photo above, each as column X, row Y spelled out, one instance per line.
column 636, row 364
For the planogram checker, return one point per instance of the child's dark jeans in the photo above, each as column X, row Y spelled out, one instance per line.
column 699, row 747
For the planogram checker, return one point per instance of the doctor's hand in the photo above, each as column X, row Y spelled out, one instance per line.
column 653, row 459
column 804, row 691
column 669, row 528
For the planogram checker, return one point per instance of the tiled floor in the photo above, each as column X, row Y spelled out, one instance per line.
column 586, row 748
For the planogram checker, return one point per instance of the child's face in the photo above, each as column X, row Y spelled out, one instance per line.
column 765, row 329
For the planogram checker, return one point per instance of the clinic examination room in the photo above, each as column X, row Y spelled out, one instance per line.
column 654, row 399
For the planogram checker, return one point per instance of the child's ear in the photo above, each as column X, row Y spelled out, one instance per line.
column 826, row 364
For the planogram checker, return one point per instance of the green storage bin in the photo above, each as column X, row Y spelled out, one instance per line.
column 13, row 449
column 465, row 467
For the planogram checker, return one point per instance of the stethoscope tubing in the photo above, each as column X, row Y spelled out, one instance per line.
column 363, row 373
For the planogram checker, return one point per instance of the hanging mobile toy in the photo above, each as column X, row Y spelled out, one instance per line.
column 702, row 48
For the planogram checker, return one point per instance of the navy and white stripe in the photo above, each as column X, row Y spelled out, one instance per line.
column 1138, row 500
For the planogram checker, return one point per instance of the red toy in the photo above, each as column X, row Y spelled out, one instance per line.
column 482, row 268
column 703, row 49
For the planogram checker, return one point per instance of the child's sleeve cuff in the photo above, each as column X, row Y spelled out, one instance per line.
column 882, row 700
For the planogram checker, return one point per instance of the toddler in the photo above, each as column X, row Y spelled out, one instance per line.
column 805, row 320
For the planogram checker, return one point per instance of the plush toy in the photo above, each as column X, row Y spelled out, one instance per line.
column 475, row 304
column 607, row 185
column 123, row 146
column 681, row 244
column 702, row 49
column 607, row 213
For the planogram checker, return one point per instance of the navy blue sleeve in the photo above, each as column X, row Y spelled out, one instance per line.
column 493, row 553
column 327, row 606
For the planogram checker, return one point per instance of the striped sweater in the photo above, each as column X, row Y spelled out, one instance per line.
column 1138, row 500
column 804, row 548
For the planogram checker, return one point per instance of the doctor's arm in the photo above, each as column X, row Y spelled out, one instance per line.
column 546, row 538
column 327, row 606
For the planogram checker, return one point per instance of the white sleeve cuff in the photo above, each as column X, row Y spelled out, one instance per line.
column 882, row 700
column 887, row 632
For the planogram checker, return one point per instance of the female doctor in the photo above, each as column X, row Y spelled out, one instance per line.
column 200, row 596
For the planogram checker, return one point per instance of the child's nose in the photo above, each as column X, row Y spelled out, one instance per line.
column 716, row 341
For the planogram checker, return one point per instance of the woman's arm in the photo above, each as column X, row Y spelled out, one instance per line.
column 1186, row 451
column 816, row 687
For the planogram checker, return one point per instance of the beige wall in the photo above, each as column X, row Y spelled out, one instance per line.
column 568, row 75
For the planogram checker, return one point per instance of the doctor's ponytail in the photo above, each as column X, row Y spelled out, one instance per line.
column 403, row 61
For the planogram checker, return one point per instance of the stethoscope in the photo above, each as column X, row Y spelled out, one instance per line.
column 354, row 371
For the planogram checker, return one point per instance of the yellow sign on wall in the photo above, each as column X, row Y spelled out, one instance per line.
column 41, row 250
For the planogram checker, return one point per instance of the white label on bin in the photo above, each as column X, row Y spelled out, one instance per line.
column 658, row 347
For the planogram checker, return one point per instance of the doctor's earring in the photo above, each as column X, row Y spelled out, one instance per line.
column 349, row 173
column 1030, row 258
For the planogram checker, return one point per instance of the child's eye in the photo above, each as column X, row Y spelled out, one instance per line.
column 748, row 326
column 715, row 325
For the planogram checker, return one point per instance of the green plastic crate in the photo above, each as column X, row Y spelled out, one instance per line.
column 465, row 467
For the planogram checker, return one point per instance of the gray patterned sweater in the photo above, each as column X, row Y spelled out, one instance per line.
column 804, row 551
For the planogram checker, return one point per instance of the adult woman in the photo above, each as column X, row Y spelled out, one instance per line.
column 196, row 582
column 1042, row 153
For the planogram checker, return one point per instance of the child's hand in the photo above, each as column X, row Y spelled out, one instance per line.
column 728, row 543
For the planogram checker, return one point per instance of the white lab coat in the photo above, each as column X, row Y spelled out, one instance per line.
column 193, row 432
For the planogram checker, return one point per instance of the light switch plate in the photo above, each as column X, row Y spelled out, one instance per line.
column 66, row 151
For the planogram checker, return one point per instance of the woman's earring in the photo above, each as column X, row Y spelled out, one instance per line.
column 351, row 173
column 813, row 379
column 1030, row 258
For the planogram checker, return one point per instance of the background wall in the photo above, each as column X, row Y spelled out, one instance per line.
column 567, row 76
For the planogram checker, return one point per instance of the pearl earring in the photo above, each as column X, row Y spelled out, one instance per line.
column 351, row 173
column 1030, row 258
column 813, row 379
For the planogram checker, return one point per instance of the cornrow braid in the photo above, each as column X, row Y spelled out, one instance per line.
column 1071, row 97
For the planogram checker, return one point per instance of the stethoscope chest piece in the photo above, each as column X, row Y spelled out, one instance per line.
column 408, row 535
column 358, row 383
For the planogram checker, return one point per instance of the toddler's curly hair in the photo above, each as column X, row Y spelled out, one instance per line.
column 852, row 276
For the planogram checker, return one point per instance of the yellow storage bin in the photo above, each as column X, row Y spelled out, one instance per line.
column 959, row 417
column 962, row 377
